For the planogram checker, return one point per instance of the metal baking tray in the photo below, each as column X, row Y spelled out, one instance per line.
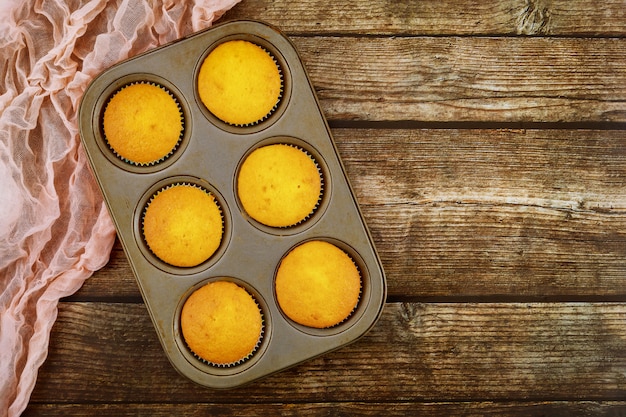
column 209, row 155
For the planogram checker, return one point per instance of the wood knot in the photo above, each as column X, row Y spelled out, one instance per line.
column 534, row 18
column 408, row 311
column 411, row 316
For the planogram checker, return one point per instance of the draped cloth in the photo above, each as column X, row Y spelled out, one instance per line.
column 55, row 230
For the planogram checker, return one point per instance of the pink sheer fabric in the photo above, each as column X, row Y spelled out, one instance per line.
column 54, row 228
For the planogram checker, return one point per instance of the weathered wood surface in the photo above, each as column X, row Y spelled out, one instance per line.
column 468, row 79
column 339, row 409
column 486, row 144
column 418, row 352
column 441, row 17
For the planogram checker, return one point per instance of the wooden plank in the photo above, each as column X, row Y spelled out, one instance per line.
column 481, row 213
column 439, row 79
column 444, row 17
column 323, row 409
column 478, row 213
column 416, row 353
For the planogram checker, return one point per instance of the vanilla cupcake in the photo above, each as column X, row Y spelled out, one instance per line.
column 222, row 323
column 279, row 185
column 183, row 225
column 143, row 123
column 240, row 83
column 318, row 284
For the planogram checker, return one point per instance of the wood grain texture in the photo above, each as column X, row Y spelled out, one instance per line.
column 416, row 353
column 468, row 79
column 441, row 17
column 494, row 213
column 467, row 213
column 339, row 409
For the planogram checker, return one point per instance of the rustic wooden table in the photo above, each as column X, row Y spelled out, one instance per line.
column 486, row 143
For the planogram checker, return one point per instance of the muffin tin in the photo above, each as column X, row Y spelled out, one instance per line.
column 209, row 155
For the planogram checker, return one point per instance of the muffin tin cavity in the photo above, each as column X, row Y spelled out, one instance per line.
column 142, row 121
column 223, row 325
column 321, row 286
column 209, row 223
column 280, row 185
column 182, row 224
column 242, row 83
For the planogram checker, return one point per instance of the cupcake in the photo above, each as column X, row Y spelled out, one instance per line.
column 279, row 185
column 221, row 323
column 183, row 225
column 317, row 285
column 240, row 83
column 143, row 123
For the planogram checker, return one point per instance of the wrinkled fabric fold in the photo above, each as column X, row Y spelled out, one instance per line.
column 55, row 230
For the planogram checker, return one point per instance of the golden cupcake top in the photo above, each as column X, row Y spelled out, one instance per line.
column 317, row 284
column 279, row 185
column 239, row 82
column 183, row 225
column 221, row 323
column 142, row 123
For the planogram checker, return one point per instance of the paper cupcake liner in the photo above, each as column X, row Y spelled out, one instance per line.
column 167, row 187
column 278, row 101
column 321, row 195
column 301, row 323
column 180, row 137
column 245, row 358
column 358, row 301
